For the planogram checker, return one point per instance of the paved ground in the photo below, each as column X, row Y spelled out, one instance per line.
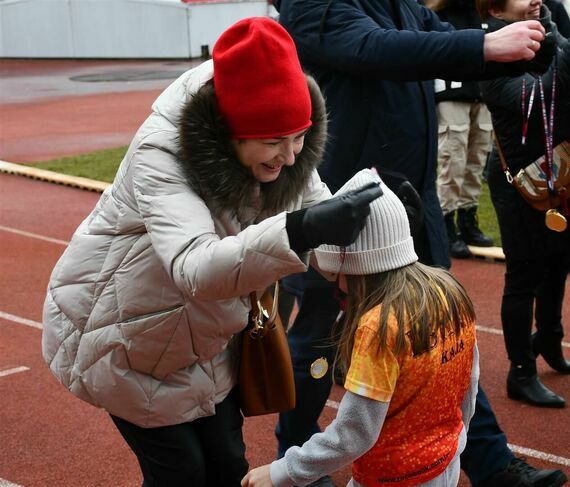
column 49, row 438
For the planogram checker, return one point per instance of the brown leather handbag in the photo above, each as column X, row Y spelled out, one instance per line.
column 266, row 382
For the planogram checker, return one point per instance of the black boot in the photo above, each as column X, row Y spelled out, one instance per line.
column 469, row 228
column 523, row 384
column 518, row 473
column 457, row 247
column 551, row 352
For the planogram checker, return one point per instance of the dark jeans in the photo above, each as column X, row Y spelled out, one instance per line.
column 310, row 338
column 206, row 452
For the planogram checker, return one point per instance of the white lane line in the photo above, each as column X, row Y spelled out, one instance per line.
column 15, row 370
column 495, row 331
column 5, row 483
column 521, row 450
column 529, row 452
column 21, row 321
column 33, row 235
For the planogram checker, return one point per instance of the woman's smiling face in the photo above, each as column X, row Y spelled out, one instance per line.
column 516, row 10
column 266, row 157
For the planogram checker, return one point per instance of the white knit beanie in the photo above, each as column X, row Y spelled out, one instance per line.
column 383, row 244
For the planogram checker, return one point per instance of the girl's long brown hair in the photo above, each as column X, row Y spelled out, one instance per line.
column 428, row 298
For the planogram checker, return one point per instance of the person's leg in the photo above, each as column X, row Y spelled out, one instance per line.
column 547, row 340
column 453, row 123
column 478, row 147
column 487, row 451
column 222, row 442
column 309, row 339
column 168, row 455
column 522, row 278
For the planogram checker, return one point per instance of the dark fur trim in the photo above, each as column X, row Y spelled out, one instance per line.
column 214, row 172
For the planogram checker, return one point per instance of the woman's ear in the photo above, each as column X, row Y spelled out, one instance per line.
column 497, row 13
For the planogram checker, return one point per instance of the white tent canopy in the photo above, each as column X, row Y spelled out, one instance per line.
column 113, row 29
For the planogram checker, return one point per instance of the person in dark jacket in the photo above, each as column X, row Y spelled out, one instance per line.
column 376, row 66
column 537, row 259
column 464, row 143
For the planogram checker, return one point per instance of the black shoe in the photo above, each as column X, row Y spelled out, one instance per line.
column 469, row 228
column 457, row 247
column 529, row 389
column 520, row 474
column 322, row 482
column 551, row 353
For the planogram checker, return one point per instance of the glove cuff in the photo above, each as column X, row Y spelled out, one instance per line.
column 294, row 228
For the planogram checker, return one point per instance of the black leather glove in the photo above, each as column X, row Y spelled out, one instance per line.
column 336, row 221
column 413, row 204
column 407, row 194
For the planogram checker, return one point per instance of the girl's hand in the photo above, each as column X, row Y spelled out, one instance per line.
column 258, row 477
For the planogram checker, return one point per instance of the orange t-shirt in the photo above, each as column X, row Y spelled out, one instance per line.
column 421, row 431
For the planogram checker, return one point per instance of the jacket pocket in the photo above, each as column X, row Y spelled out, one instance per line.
column 146, row 337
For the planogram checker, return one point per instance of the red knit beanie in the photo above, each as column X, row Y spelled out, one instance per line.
column 260, row 87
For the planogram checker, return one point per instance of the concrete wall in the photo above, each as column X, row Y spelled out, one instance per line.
column 131, row 29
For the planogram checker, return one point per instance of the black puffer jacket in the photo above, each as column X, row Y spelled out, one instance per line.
column 503, row 97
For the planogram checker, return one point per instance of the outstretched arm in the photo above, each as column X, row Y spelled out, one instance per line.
column 353, row 432
column 343, row 37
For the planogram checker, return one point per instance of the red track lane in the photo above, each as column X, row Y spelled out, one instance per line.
column 50, row 438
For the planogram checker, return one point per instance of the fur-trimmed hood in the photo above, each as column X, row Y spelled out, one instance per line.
column 212, row 169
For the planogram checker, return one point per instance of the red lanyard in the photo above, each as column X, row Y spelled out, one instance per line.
column 343, row 301
column 530, row 103
column 548, row 125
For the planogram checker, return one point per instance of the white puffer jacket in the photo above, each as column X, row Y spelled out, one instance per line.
column 154, row 284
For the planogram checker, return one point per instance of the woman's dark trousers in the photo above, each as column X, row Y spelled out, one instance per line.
column 207, row 452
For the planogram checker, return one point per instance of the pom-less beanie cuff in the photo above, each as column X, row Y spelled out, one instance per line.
column 260, row 86
column 368, row 261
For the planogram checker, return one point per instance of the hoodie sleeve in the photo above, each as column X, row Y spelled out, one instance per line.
column 353, row 432
column 183, row 235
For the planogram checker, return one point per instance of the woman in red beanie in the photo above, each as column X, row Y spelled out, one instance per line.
column 217, row 196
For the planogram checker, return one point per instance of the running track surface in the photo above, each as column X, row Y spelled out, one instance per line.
column 50, row 438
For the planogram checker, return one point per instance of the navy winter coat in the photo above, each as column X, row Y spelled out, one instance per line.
column 376, row 66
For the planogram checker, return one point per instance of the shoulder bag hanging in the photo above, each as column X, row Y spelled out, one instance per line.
column 266, row 382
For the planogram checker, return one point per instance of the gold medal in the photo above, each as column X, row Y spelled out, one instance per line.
column 319, row 368
column 555, row 221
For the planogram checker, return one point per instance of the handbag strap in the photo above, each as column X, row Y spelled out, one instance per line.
column 257, row 310
column 504, row 165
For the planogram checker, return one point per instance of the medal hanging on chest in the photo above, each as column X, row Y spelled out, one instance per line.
column 553, row 219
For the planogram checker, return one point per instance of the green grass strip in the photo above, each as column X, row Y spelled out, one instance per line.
column 100, row 165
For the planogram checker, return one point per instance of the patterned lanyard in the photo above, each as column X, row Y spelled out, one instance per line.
column 530, row 103
column 343, row 301
column 548, row 125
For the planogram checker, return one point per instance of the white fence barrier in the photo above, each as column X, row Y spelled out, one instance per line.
column 131, row 29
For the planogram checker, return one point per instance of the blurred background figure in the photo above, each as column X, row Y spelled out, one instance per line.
column 464, row 142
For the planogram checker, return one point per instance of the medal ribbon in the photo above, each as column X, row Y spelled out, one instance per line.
column 548, row 124
column 530, row 103
column 343, row 301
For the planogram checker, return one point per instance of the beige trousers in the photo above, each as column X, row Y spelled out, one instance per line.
column 463, row 144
